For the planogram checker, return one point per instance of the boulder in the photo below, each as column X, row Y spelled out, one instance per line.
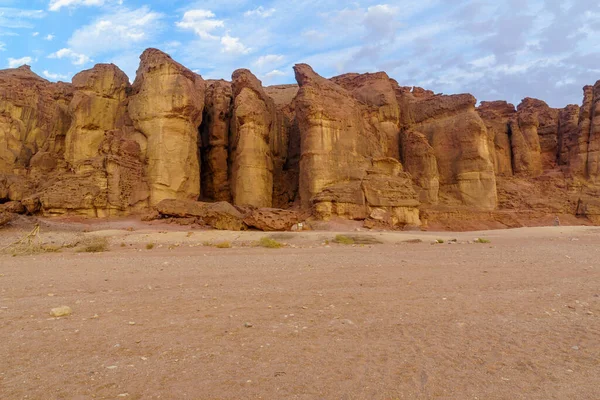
column 13, row 207
column 271, row 219
column 6, row 218
column 220, row 215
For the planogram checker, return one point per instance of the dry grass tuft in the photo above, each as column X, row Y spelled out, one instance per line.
column 269, row 243
column 343, row 239
column 93, row 244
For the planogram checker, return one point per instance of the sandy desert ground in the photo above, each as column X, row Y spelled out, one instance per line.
column 516, row 318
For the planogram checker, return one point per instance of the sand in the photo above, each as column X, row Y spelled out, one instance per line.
column 516, row 318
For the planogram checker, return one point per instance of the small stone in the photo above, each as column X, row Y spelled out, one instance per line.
column 63, row 311
column 123, row 395
column 248, row 325
column 112, row 367
column 575, row 347
column 131, row 323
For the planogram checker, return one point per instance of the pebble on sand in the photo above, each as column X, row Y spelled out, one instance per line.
column 63, row 311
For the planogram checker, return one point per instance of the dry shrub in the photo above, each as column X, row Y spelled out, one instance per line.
column 269, row 243
column 93, row 244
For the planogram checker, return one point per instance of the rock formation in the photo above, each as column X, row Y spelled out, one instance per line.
column 356, row 146
column 166, row 105
column 252, row 126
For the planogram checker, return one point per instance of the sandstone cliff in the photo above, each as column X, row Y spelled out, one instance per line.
column 356, row 146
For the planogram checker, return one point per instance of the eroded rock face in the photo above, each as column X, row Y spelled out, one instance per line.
column 215, row 142
column 593, row 162
column 534, row 135
column 357, row 146
column 460, row 144
column 97, row 107
column 418, row 158
column 334, row 144
column 33, row 117
column 381, row 112
column 252, row 126
column 496, row 116
column 166, row 105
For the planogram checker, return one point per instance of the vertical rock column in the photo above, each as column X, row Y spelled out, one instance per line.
column 252, row 125
column 334, row 146
column 593, row 164
column 166, row 106
column 215, row 142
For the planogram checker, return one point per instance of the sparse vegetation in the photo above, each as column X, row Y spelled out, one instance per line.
column 269, row 243
column 413, row 241
column 93, row 244
column 481, row 240
column 149, row 246
column 123, row 244
column 223, row 245
column 440, row 241
column 282, row 236
column 342, row 239
column 365, row 239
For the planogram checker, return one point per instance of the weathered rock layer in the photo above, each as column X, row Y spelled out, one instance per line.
column 356, row 146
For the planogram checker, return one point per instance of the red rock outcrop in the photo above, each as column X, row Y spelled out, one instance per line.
column 356, row 146
column 215, row 142
column 460, row 144
column 166, row 105
column 252, row 126
column 496, row 116
column 33, row 117
column 97, row 106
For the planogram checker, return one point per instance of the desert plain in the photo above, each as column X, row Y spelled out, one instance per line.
column 164, row 313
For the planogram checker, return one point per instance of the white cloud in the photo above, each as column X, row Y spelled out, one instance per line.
column 117, row 31
column 56, row 5
column 76, row 58
column 260, row 12
column 2, row 46
column 34, row 34
column 17, row 62
column 201, row 22
column 55, row 77
column 16, row 18
column 49, row 37
column 274, row 74
column 484, row 62
column 232, row 45
column 269, row 59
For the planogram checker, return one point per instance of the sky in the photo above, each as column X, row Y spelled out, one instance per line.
column 496, row 50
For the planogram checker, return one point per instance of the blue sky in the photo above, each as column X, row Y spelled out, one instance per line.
column 506, row 49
